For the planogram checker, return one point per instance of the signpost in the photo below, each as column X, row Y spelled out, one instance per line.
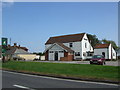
column 4, row 47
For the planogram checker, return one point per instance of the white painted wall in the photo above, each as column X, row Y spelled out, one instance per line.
column 55, row 48
column 107, row 52
column 77, row 47
column 42, row 58
column 114, row 53
column 51, row 56
column 85, row 49
column 110, row 51
column 100, row 50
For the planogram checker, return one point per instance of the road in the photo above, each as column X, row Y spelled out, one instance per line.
column 26, row 81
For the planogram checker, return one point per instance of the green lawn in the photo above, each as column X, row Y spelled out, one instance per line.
column 64, row 69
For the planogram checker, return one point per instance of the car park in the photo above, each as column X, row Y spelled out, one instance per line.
column 98, row 59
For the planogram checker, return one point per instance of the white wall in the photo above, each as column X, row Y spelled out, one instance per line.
column 55, row 48
column 100, row 50
column 114, row 53
column 110, row 51
column 42, row 58
column 76, row 48
column 88, row 48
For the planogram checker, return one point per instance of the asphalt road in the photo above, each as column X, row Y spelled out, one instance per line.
column 26, row 81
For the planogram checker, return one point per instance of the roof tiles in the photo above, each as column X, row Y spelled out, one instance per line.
column 65, row 38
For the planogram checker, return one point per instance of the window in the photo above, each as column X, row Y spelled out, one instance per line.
column 89, row 54
column 103, row 53
column 50, row 51
column 77, row 53
column 113, row 54
column 60, row 51
column 85, row 39
column 85, row 45
column 84, row 54
column 70, row 44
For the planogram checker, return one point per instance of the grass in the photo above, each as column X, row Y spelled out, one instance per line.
column 64, row 69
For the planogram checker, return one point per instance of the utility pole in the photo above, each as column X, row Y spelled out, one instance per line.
column 10, row 41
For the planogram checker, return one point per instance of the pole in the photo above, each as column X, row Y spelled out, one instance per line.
column 10, row 41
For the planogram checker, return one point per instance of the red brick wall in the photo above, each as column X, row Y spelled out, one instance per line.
column 67, row 57
column 65, row 54
column 70, row 57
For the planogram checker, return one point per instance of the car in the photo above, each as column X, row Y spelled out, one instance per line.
column 98, row 59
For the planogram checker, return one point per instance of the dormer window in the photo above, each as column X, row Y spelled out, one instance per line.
column 85, row 39
column 70, row 44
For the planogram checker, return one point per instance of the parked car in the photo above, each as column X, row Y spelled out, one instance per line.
column 97, row 59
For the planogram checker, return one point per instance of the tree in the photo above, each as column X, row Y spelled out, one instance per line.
column 112, row 43
column 93, row 40
column 38, row 53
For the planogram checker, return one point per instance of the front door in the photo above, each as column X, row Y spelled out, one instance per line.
column 56, row 56
column 103, row 53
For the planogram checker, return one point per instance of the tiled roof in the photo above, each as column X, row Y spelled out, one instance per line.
column 11, row 51
column 65, row 47
column 65, row 38
column 102, row 46
column 24, row 48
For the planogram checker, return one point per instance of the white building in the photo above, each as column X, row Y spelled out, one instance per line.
column 19, row 52
column 106, row 50
column 68, row 47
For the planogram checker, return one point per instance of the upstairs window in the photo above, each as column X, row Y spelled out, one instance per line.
column 70, row 44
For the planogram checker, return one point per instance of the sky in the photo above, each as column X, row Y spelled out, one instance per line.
column 30, row 24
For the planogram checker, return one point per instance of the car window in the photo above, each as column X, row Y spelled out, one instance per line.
column 97, row 56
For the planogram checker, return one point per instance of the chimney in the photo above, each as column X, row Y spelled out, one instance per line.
column 15, row 44
column 9, row 46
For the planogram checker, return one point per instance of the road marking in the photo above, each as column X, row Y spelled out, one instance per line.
column 62, row 79
column 19, row 86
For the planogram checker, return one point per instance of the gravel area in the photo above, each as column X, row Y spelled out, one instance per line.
column 108, row 63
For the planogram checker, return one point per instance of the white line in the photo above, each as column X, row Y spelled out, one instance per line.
column 63, row 79
column 23, row 87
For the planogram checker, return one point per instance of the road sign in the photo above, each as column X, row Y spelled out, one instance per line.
column 4, row 41
column 4, row 44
